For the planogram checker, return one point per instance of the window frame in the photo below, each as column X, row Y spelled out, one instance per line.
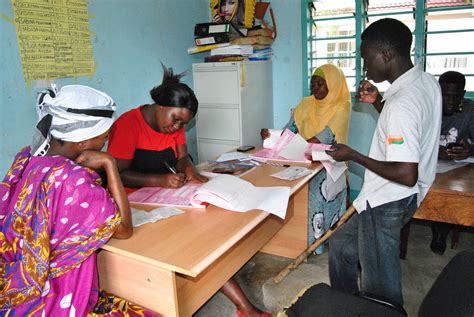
column 360, row 16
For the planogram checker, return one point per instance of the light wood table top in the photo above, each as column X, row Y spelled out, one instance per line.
column 191, row 242
column 459, row 180
column 450, row 198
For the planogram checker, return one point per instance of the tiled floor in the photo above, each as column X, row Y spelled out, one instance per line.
column 419, row 272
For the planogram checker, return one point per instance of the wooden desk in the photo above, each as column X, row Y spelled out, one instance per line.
column 451, row 198
column 174, row 266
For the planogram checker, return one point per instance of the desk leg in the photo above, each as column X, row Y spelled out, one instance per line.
column 138, row 282
column 292, row 239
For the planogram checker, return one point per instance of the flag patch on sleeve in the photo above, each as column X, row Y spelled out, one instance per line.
column 395, row 139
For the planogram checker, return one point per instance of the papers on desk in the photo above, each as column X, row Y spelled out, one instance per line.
column 446, row 165
column 230, row 156
column 292, row 173
column 468, row 160
column 289, row 147
column 156, row 196
column 232, row 193
column 225, row 191
column 140, row 217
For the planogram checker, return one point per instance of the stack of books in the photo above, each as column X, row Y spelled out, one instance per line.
column 214, row 35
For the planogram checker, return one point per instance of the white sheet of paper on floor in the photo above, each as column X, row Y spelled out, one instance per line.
column 292, row 173
column 270, row 142
column 140, row 217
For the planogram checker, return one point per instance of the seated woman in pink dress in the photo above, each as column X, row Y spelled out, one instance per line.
column 54, row 213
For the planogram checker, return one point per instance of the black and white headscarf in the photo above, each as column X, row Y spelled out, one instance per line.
column 73, row 113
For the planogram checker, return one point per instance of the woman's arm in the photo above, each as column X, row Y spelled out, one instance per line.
column 115, row 186
column 98, row 160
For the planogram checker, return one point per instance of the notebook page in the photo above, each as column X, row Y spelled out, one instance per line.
column 233, row 193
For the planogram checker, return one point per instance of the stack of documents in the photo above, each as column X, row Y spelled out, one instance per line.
column 233, row 50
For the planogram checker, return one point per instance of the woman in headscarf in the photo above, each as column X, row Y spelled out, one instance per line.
column 323, row 117
column 54, row 213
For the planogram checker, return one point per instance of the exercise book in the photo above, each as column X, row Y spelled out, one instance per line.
column 159, row 196
column 225, row 191
column 233, row 193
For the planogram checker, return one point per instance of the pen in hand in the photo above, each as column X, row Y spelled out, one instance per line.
column 170, row 168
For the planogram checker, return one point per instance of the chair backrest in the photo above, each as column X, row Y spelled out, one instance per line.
column 452, row 294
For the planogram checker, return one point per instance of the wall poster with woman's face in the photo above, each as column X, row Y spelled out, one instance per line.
column 239, row 12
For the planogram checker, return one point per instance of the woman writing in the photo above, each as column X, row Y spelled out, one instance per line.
column 323, row 117
column 54, row 213
column 149, row 140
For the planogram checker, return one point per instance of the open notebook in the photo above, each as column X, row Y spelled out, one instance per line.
column 159, row 196
column 225, row 191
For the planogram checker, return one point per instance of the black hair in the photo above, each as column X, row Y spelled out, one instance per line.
column 391, row 34
column 173, row 93
column 452, row 77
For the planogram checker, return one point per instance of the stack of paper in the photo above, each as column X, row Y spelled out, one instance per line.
column 233, row 50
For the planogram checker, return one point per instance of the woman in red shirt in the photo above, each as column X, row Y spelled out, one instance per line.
column 149, row 141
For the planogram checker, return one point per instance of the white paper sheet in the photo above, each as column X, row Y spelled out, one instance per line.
column 331, row 188
column 292, row 173
column 334, row 169
column 232, row 156
column 232, row 193
column 295, row 149
column 320, row 155
column 445, row 165
column 270, row 142
column 140, row 217
column 468, row 160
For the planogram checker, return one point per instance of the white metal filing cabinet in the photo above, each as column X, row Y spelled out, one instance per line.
column 235, row 102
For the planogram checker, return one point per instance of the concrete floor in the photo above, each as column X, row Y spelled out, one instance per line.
column 420, row 269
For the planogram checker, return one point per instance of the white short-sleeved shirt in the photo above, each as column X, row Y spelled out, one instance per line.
column 407, row 131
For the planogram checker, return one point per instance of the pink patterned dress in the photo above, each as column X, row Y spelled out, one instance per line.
column 54, row 215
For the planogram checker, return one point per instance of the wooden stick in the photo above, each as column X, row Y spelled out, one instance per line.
column 293, row 265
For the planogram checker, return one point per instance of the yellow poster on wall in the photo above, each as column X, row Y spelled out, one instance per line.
column 54, row 38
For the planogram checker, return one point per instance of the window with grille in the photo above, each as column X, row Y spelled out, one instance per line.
column 443, row 35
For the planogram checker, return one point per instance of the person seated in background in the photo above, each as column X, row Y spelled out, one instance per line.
column 55, row 215
column 456, row 140
column 323, row 117
column 150, row 147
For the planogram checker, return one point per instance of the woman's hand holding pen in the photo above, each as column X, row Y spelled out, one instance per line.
column 171, row 180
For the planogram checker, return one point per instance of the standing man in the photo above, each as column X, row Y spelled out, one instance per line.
column 400, row 167
column 456, row 140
